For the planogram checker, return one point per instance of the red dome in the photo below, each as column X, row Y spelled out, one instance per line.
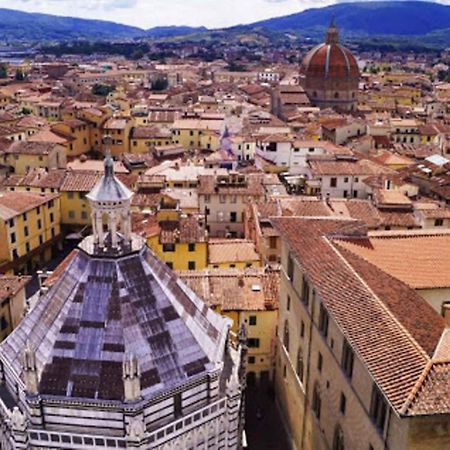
column 330, row 61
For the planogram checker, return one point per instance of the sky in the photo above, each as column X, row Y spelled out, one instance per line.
column 150, row 13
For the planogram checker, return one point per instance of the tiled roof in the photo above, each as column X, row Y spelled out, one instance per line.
column 362, row 167
column 208, row 185
column 31, row 148
column 392, row 329
column 14, row 203
column 236, row 290
column 420, row 259
column 10, row 285
column 37, row 178
column 231, row 251
column 304, row 207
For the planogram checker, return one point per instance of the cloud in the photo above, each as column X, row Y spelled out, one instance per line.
column 149, row 13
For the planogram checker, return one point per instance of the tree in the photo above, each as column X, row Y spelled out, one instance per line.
column 137, row 54
column 3, row 71
column 102, row 89
column 160, row 84
column 20, row 76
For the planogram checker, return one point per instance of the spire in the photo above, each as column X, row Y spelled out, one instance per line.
column 109, row 165
column 332, row 36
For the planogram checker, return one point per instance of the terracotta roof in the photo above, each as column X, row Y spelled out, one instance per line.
column 14, row 203
column 396, row 253
column 236, row 290
column 357, row 209
column 37, row 178
column 208, row 184
column 304, row 207
column 150, row 132
column 362, row 167
column 31, row 148
column 391, row 328
column 10, row 285
column 231, row 251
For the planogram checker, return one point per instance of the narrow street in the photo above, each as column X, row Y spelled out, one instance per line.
column 263, row 423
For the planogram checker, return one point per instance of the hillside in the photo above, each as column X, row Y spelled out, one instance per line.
column 404, row 18
column 17, row 25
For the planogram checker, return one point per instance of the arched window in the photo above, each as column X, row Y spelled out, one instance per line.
column 336, row 95
column 300, row 364
column 338, row 439
column 286, row 336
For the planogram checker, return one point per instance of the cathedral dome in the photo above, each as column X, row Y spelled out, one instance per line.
column 331, row 74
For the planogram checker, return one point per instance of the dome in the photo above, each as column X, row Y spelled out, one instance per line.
column 330, row 61
column 331, row 74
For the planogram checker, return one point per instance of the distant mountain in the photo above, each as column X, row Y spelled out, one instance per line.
column 171, row 31
column 401, row 18
column 17, row 25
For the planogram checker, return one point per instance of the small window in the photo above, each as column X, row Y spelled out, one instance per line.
column 233, row 217
column 302, row 329
column 347, row 359
column 39, row 224
column 319, row 362
column 305, row 291
column 316, row 401
column 191, row 247
column 253, row 343
column 169, row 265
column 338, row 439
column 168, row 248
column 25, row 231
column 222, row 198
column 191, row 265
column 288, row 303
column 323, row 321
column 333, row 182
column 251, row 360
column 439, row 222
column 286, row 336
column 290, row 268
column 24, row 216
column 342, row 403
column 252, row 320
column 378, row 408
column 13, row 238
column 300, row 364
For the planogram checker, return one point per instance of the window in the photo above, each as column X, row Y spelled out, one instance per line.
column 378, row 408
column 439, row 222
column 305, row 291
column 319, row 362
column 169, row 265
column 41, row 240
column 25, row 231
column 252, row 320
column 288, row 303
column 338, row 439
column 251, row 360
column 191, row 265
column 71, row 214
column 207, row 198
column 316, row 402
column 39, row 224
column 347, row 359
column 52, row 231
column 300, row 365
column 333, row 182
column 346, row 180
column 323, row 320
column 13, row 238
column 233, row 217
column 345, row 194
column 253, row 343
column 290, row 268
column 15, row 254
column 11, row 222
column 273, row 242
column 286, row 335
column 177, row 405
column 70, row 195
column 233, row 199
column 342, row 404
column 168, row 248
column 27, row 247
column 51, row 217
column 302, row 329
column 222, row 198
column 191, row 247
column 24, row 216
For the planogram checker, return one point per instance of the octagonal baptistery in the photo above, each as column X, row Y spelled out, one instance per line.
column 331, row 74
column 119, row 353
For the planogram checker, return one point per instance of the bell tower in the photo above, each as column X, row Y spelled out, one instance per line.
column 110, row 202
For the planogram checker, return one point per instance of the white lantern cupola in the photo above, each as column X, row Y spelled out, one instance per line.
column 110, row 202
